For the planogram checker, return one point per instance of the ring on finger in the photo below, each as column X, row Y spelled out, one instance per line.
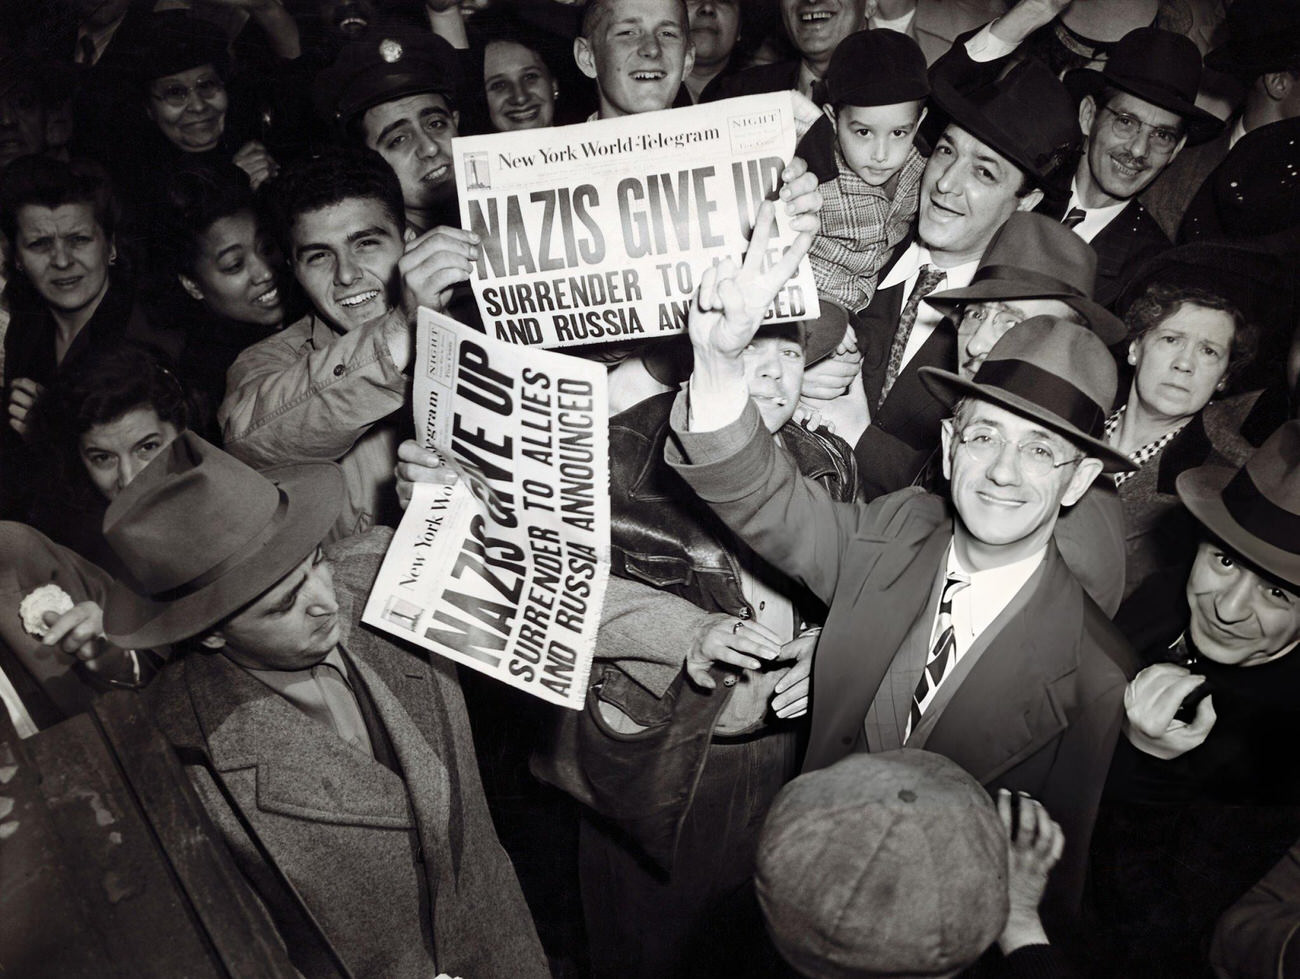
column 740, row 624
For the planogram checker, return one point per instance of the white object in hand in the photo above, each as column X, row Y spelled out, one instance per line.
column 46, row 598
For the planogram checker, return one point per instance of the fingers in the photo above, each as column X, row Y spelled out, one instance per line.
column 1204, row 719
column 764, row 225
column 76, row 630
column 436, row 261
column 442, row 239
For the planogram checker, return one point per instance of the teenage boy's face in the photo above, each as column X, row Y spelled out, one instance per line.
column 638, row 53
column 774, row 373
column 876, row 139
column 345, row 257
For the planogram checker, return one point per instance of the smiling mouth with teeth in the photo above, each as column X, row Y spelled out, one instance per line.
column 436, row 173
column 268, row 298
column 359, row 298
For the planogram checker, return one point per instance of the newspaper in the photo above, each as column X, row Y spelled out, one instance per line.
column 600, row 232
column 505, row 570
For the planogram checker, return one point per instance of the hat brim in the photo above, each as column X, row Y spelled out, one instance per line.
column 966, row 114
column 1201, row 491
column 1109, row 327
column 314, row 495
column 949, row 388
column 1201, row 125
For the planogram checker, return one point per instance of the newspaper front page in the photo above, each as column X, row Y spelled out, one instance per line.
column 505, row 570
column 599, row 232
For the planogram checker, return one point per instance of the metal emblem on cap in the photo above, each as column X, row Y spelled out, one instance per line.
column 390, row 50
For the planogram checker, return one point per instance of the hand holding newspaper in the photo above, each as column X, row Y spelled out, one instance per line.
column 504, row 570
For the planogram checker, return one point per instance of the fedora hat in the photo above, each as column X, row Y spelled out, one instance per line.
column 1263, row 36
column 1026, row 115
column 1256, row 509
column 201, row 535
column 1050, row 370
column 884, row 864
column 1158, row 66
column 1034, row 257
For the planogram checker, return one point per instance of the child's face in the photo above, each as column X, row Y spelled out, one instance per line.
column 875, row 139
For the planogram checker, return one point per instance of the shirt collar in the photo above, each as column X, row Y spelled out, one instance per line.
column 992, row 590
column 910, row 262
column 279, row 680
column 1108, row 212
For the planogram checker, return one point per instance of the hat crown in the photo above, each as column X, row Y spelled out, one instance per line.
column 877, row 67
column 1043, row 248
column 1158, row 59
column 191, row 510
column 1044, row 359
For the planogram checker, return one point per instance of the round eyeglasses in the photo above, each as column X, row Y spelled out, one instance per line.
column 1037, row 457
column 178, row 96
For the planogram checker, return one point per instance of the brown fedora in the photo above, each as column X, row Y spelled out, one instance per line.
column 1034, row 257
column 1256, row 509
column 1053, row 371
column 1026, row 115
column 201, row 535
column 1158, row 66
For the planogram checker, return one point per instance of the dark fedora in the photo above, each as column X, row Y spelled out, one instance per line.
column 389, row 62
column 1255, row 510
column 1034, row 257
column 1050, row 370
column 1157, row 66
column 1255, row 192
column 1026, row 115
column 876, row 67
column 201, row 535
column 884, row 864
column 174, row 41
column 1263, row 36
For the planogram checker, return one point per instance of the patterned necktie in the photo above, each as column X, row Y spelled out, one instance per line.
column 926, row 282
column 941, row 659
column 1074, row 218
column 340, row 703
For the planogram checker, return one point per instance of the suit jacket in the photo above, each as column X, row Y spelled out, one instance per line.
column 1167, row 198
column 347, row 831
column 1122, row 246
column 777, row 77
column 1041, row 709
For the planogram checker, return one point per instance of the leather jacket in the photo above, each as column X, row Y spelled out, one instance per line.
column 665, row 536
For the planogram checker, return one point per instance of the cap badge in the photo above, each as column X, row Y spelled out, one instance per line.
column 390, row 50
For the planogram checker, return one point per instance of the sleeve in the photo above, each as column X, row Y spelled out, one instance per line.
column 286, row 404
column 1255, row 938
column 757, row 490
column 648, row 632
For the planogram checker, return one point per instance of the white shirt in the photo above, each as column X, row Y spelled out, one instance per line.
column 976, row 606
column 1238, row 131
column 1096, row 218
column 907, row 270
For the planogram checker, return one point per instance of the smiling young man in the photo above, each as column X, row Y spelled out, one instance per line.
column 638, row 52
column 954, row 624
column 338, row 768
column 394, row 91
column 324, row 388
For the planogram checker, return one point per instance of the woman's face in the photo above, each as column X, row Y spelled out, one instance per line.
column 1181, row 363
column 190, row 108
column 115, row 452
column 520, row 89
column 64, row 253
column 236, row 271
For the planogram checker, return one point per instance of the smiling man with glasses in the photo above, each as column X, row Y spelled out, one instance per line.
column 1137, row 114
column 954, row 625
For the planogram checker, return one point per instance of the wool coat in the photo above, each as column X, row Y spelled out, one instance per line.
column 347, row 832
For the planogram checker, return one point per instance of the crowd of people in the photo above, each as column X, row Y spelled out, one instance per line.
column 949, row 632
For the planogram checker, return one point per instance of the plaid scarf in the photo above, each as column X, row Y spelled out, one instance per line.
column 861, row 225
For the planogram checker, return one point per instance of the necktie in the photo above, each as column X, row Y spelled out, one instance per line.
column 926, row 282
column 941, row 659
column 1074, row 218
column 341, row 704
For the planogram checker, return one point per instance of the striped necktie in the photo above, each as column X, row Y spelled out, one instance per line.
column 1074, row 218
column 941, row 659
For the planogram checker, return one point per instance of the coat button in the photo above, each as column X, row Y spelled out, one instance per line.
column 338, row 370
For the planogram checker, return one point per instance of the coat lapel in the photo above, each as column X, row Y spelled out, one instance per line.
column 1017, row 697
column 303, row 768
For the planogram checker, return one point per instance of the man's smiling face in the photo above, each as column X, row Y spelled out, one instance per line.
column 345, row 257
column 816, row 27
column 413, row 134
column 638, row 53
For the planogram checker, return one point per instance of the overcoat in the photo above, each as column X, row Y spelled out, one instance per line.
column 346, row 831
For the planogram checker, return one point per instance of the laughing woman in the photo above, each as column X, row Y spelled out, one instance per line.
column 223, row 279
